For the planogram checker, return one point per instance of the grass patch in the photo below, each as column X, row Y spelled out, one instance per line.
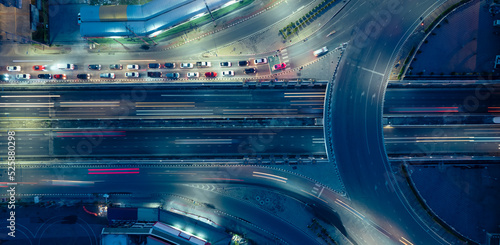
column 406, row 62
column 42, row 32
column 189, row 25
column 293, row 27
column 422, row 203
column 447, row 11
column 177, row 29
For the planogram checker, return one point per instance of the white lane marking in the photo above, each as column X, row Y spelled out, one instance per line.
column 375, row 72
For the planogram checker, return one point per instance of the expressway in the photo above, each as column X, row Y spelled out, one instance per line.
column 432, row 140
column 357, row 103
column 357, row 134
column 445, row 100
column 158, row 103
column 192, row 142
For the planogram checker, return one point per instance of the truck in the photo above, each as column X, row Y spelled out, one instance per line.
column 496, row 23
column 203, row 64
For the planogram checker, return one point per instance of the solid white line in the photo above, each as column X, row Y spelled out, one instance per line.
column 321, row 191
column 31, row 60
column 378, row 73
column 135, row 60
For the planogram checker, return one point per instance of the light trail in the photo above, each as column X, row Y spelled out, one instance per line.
column 31, row 96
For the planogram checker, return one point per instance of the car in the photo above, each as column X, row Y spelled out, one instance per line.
column 279, row 66
column 154, row 66
column 23, row 76
column 154, row 74
column 83, row 76
column 60, row 76
column 226, row 64
column 132, row 74
column 44, row 76
column 210, row 74
column 66, row 66
column 228, row 73
column 260, row 61
column 13, row 68
column 169, row 65
column 79, row 19
column 107, row 75
column 174, row 75
column 4, row 77
column 115, row 67
column 193, row 74
column 243, row 63
column 320, row 51
column 186, row 65
column 95, row 67
column 250, row 70
column 38, row 68
column 133, row 67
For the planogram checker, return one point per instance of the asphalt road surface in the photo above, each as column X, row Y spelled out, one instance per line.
column 465, row 140
column 358, row 103
column 152, row 103
column 77, row 143
column 444, row 101
column 135, row 180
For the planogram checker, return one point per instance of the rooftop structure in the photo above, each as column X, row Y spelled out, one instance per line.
column 142, row 20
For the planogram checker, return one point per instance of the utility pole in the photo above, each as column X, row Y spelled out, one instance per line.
column 210, row 12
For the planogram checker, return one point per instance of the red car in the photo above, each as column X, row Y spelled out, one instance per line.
column 60, row 76
column 39, row 68
column 211, row 74
column 279, row 66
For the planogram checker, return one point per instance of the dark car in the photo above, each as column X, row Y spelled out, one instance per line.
column 243, row 63
column 83, row 76
column 250, row 70
column 44, row 76
column 95, row 67
column 172, row 75
column 154, row 65
column 211, row 74
column 169, row 65
column 154, row 74
column 115, row 67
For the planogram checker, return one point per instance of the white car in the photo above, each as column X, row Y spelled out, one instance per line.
column 13, row 68
column 228, row 73
column 66, row 66
column 187, row 65
column 23, row 76
column 132, row 74
column 320, row 51
column 193, row 74
column 260, row 61
column 226, row 64
column 133, row 67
